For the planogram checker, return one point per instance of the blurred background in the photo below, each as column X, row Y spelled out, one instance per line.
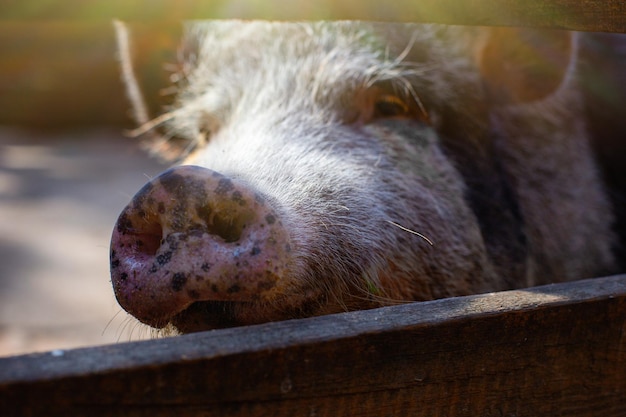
column 66, row 169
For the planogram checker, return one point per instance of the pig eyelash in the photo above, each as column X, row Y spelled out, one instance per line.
column 401, row 90
column 407, row 49
column 398, row 72
column 420, row 105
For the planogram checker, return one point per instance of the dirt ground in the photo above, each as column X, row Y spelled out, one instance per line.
column 60, row 195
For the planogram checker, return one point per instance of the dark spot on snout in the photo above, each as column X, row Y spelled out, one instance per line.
column 178, row 281
column 164, row 258
column 172, row 182
column 115, row 263
column 124, row 276
column 206, row 267
column 237, row 197
column 193, row 294
column 255, row 251
column 172, row 241
column 179, row 216
column 270, row 219
column 124, row 224
column 224, row 186
column 161, row 208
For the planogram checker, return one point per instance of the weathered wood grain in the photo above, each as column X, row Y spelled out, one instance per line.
column 63, row 74
column 557, row 350
column 590, row 15
column 58, row 67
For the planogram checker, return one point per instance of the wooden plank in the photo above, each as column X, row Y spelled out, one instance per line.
column 557, row 350
column 55, row 74
column 51, row 56
column 589, row 15
column 59, row 74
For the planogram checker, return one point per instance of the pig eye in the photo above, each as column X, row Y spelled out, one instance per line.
column 383, row 102
column 387, row 106
column 390, row 106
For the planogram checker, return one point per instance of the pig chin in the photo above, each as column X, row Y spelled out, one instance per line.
column 205, row 315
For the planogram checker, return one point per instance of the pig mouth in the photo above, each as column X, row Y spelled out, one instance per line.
column 213, row 314
column 205, row 315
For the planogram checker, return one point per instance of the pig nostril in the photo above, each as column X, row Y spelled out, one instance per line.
column 228, row 229
column 225, row 223
column 152, row 242
column 147, row 240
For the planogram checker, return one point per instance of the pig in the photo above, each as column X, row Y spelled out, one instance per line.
column 324, row 167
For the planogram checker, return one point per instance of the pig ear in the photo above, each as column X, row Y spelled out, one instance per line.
column 521, row 65
column 144, row 53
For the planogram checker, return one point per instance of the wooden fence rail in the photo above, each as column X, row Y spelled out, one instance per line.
column 588, row 15
column 557, row 350
column 57, row 59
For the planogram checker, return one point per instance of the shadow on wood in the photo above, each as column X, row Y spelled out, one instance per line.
column 546, row 351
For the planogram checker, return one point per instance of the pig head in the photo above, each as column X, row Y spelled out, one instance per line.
column 326, row 167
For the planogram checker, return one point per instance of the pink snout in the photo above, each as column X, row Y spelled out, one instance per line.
column 191, row 235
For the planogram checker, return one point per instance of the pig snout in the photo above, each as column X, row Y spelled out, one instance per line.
column 193, row 235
